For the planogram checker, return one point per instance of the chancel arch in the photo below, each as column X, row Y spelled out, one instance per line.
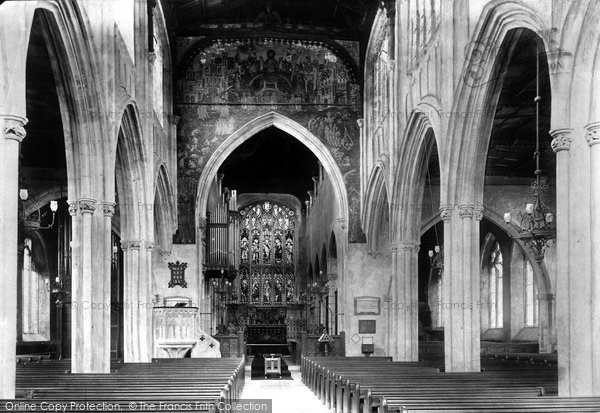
column 292, row 128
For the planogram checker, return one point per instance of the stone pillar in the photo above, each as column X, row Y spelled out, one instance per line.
column 90, row 323
column 132, row 347
column 76, row 356
column 460, row 287
column 147, row 302
column 108, row 208
column 13, row 132
column 561, row 144
column 593, row 139
column 404, row 305
column 546, row 339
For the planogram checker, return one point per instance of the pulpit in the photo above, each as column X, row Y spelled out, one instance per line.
column 174, row 331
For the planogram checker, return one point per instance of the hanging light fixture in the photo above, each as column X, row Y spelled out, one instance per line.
column 34, row 222
column 536, row 226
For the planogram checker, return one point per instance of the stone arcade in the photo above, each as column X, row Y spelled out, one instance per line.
column 217, row 179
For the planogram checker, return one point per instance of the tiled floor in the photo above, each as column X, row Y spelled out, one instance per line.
column 289, row 396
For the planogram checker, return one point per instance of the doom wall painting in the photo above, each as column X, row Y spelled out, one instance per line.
column 227, row 84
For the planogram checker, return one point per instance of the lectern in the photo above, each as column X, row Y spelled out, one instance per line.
column 273, row 365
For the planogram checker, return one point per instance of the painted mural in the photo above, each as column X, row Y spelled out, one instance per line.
column 228, row 84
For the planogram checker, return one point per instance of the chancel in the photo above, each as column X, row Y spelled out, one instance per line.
column 335, row 205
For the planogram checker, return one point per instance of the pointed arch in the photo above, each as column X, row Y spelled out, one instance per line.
column 463, row 157
column 376, row 204
column 165, row 211
column 131, row 176
column 73, row 65
column 247, row 131
column 410, row 176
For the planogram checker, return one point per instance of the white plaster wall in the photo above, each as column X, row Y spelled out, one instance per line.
column 162, row 275
column 368, row 274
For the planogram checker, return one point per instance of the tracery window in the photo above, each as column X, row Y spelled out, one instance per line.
column 267, row 253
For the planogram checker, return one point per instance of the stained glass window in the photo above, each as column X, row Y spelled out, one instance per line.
column 267, row 270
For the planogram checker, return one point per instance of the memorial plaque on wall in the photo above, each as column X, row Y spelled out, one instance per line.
column 367, row 305
column 367, row 327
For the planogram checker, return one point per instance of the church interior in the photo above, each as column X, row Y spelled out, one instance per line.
column 336, row 205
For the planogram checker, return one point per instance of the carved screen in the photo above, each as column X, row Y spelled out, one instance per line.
column 267, row 253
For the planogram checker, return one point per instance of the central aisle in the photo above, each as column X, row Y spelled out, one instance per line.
column 289, row 396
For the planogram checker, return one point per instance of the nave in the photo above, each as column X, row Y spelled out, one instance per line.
column 524, row 382
column 389, row 191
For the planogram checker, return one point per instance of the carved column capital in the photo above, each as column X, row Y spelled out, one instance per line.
column 73, row 207
column 360, row 123
column 135, row 245
column 149, row 246
column 202, row 221
column 478, row 213
column 466, row 210
column 13, row 127
column 165, row 254
column 593, row 133
column 446, row 211
column 87, row 205
column 343, row 222
column 108, row 208
column 561, row 139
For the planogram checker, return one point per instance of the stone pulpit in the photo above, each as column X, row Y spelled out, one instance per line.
column 174, row 331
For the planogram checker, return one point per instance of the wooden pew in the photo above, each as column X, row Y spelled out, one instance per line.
column 353, row 385
column 182, row 380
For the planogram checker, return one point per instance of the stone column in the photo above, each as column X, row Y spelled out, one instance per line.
column 108, row 208
column 147, row 302
column 90, row 346
column 13, row 132
column 547, row 306
column 404, row 305
column 131, row 308
column 593, row 139
column 561, row 144
column 76, row 356
column 460, row 287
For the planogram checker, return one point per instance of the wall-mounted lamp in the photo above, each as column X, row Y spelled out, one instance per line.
column 34, row 223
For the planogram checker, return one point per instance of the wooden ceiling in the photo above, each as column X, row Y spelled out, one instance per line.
column 335, row 18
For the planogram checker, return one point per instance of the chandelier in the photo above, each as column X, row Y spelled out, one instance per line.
column 535, row 226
